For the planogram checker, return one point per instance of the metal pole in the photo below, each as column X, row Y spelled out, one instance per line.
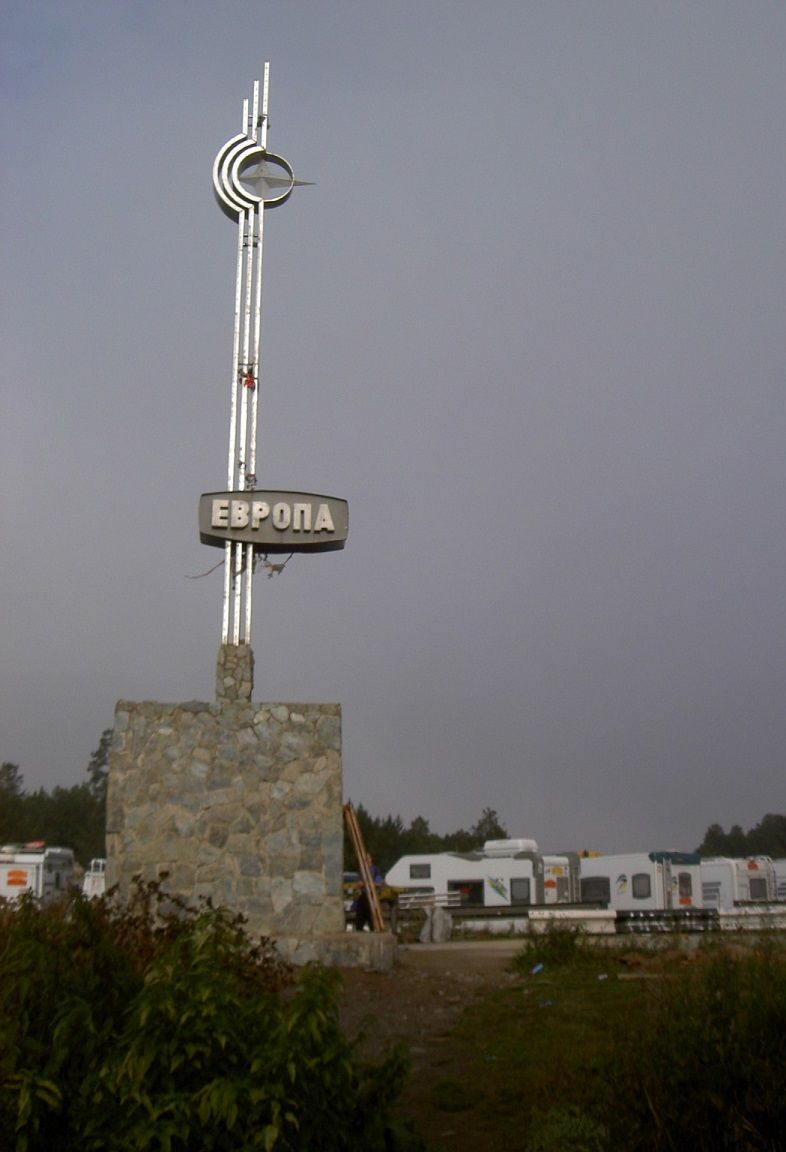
column 227, row 622
column 238, row 201
column 243, row 368
column 260, row 129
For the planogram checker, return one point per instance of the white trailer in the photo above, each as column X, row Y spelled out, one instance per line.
column 642, row 881
column 44, row 873
column 780, row 879
column 505, row 873
column 727, row 881
column 94, row 879
column 561, row 879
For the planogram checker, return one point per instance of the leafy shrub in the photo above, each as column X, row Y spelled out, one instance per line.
column 560, row 946
column 566, row 1130
column 152, row 1027
column 704, row 1066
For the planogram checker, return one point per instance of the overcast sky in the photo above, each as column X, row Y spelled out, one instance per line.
column 529, row 321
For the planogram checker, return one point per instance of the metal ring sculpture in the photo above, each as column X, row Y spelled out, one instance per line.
column 235, row 158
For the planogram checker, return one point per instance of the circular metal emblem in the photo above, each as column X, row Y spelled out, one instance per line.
column 245, row 175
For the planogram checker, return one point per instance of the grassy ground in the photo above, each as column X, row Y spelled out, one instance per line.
column 526, row 1048
column 521, row 1048
column 588, row 1049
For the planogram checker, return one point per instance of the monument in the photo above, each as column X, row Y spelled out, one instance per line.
column 231, row 800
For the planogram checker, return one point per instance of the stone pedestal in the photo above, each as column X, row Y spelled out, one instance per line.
column 234, row 673
column 241, row 803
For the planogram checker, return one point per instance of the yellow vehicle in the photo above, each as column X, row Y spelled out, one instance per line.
column 352, row 885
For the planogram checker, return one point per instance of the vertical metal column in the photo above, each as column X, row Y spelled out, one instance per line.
column 241, row 167
column 229, row 616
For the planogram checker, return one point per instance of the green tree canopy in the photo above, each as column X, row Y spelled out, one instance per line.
column 387, row 838
column 72, row 817
column 98, row 768
column 767, row 838
column 489, row 827
column 10, row 801
column 10, row 779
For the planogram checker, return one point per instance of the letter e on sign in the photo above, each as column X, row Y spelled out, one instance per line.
column 220, row 517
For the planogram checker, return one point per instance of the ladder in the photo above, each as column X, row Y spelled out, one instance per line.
column 355, row 835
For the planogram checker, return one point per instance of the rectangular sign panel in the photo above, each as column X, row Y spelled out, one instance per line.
column 274, row 521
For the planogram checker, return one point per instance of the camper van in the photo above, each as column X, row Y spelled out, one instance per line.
column 780, row 879
column 727, row 881
column 94, row 879
column 504, row 873
column 642, row 881
column 35, row 869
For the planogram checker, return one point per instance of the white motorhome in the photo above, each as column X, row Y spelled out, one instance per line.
column 33, row 868
column 503, row 873
column 642, row 881
column 780, row 879
column 94, row 879
column 727, row 881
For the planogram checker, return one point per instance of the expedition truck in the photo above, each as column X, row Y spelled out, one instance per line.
column 94, row 879
column 504, row 873
column 45, row 873
column 726, row 880
column 352, row 884
column 780, row 879
column 642, row 881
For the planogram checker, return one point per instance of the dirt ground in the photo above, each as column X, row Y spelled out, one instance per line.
column 418, row 1002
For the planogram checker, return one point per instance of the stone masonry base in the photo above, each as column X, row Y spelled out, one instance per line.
column 240, row 803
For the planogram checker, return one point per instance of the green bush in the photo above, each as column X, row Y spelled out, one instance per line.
column 131, row 1029
column 703, row 1067
column 566, row 1130
column 559, row 946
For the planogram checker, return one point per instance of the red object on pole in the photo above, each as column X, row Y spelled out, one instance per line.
column 249, row 381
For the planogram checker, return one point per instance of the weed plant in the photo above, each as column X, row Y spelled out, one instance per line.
column 566, row 1130
column 158, row 1028
column 703, row 1064
column 559, row 947
column 625, row 1050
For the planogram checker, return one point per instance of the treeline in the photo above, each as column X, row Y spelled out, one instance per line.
column 70, row 817
column 767, row 838
column 387, row 838
column 76, row 818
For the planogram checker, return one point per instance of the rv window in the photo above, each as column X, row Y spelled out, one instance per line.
column 471, row 890
column 710, row 893
column 420, row 871
column 685, row 883
column 519, row 891
column 642, row 889
column 595, row 890
column 758, row 888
